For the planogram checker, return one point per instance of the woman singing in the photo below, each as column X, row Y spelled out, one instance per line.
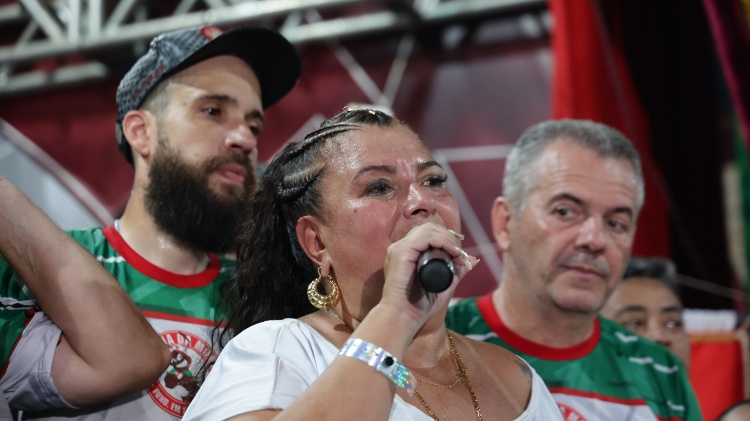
column 331, row 323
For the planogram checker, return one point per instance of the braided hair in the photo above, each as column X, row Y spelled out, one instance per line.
column 273, row 270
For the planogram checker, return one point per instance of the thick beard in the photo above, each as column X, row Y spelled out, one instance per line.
column 183, row 205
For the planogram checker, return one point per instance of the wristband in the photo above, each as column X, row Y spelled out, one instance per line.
column 381, row 360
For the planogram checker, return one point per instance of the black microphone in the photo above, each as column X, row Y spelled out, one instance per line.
column 435, row 270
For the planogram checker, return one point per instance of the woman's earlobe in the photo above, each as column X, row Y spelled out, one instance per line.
column 308, row 235
column 325, row 267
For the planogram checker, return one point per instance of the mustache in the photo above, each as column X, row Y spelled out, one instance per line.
column 214, row 163
column 584, row 259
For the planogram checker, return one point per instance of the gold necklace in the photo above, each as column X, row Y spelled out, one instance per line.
column 438, row 385
column 458, row 377
column 333, row 313
column 462, row 375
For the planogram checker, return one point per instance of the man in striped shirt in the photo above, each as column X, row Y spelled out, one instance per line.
column 565, row 225
column 190, row 111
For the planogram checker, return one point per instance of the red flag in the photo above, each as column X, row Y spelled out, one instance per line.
column 591, row 81
column 718, row 363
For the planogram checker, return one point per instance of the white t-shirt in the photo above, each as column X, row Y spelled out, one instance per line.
column 270, row 364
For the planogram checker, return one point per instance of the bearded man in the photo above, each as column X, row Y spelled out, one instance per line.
column 189, row 115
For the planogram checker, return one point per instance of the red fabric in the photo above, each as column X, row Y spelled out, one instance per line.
column 718, row 371
column 492, row 317
column 151, row 270
column 591, row 81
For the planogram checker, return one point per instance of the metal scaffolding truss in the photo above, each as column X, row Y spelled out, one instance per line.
column 34, row 30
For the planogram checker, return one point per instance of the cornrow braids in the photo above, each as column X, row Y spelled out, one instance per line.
column 294, row 185
column 322, row 133
column 301, row 173
column 272, row 269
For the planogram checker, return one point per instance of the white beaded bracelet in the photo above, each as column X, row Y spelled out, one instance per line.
column 381, row 360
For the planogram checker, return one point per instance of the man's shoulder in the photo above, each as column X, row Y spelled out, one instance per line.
column 228, row 265
column 617, row 337
column 638, row 351
column 465, row 317
column 85, row 232
column 89, row 238
column 650, row 366
column 462, row 305
column 11, row 285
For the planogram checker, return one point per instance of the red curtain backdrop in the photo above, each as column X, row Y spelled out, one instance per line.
column 591, row 81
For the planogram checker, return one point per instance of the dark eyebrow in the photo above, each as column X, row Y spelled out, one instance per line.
column 392, row 170
column 631, row 309
column 376, row 168
column 578, row 201
column 672, row 309
column 642, row 309
column 255, row 114
column 428, row 164
column 566, row 196
column 218, row 97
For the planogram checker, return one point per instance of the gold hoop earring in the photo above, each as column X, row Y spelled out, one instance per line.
column 323, row 301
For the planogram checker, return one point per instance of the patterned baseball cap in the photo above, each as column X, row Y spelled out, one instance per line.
column 274, row 60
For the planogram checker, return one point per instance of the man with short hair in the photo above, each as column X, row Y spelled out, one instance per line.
column 189, row 114
column 573, row 190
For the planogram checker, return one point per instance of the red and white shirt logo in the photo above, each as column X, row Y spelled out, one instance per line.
column 175, row 387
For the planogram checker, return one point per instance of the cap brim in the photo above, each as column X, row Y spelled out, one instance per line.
column 272, row 57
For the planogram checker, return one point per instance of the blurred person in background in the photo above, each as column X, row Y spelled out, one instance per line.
column 646, row 302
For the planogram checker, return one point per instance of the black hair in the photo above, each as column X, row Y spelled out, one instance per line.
column 273, row 271
column 656, row 268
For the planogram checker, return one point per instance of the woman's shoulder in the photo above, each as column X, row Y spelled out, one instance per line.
column 271, row 331
column 503, row 370
column 508, row 375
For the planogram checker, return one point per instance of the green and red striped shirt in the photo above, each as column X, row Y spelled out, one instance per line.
column 614, row 375
column 183, row 309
